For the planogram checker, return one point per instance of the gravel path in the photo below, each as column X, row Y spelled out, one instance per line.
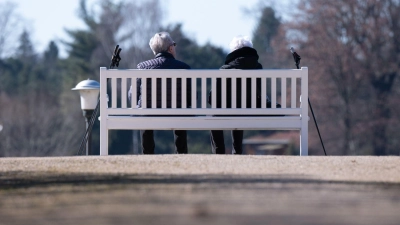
column 200, row 189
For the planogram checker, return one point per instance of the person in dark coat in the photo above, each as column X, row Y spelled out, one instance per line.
column 164, row 49
column 242, row 56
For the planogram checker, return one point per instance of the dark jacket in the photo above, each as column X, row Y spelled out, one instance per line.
column 245, row 58
column 163, row 60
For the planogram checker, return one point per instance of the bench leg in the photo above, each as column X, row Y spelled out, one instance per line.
column 304, row 140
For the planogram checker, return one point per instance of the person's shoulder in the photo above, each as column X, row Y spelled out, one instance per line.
column 148, row 64
column 142, row 65
column 181, row 65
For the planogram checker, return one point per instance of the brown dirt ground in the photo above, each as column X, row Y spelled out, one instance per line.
column 200, row 189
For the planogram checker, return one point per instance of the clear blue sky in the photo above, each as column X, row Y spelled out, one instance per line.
column 215, row 21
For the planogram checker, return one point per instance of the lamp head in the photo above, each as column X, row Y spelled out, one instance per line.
column 89, row 91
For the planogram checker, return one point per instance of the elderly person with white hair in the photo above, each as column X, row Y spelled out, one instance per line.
column 242, row 56
column 164, row 49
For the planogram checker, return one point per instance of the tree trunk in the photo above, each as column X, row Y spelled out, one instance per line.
column 383, row 87
column 348, row 130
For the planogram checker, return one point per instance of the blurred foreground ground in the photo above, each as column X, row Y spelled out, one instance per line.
column 200, row 189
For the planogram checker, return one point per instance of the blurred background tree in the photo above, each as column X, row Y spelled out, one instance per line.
column 352, row 49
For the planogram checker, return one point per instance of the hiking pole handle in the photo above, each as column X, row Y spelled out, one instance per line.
column 297, row 59
column 115, row 59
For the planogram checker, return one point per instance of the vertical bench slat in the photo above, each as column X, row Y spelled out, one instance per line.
column 153, row 92
column 273, row 92
column 253, row 92
column 133, row 94
column 223, row 93
column 283, row 92
column 304, row 112
column 123, row 93
column 144, row 93
column 173, row 93
column 103, row 111
column 183, row 92
column 214, row 92
column 114, row 93
column 203, row 92
column 244, row 92
column 293, row 93
column 264, row 92
column 233, row 94
column 164, row 92
column 194, row 92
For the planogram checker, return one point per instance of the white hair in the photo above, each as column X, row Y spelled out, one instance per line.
column 240, row 42
column 160, row 42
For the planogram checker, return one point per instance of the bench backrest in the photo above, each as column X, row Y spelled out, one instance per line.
column 283, row 86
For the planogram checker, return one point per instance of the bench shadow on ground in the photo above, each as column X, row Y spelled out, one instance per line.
column 23, row 179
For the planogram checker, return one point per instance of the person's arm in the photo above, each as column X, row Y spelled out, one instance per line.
column 138, row 89
column 130, row 96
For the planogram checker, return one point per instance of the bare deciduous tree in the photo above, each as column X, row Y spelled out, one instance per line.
column 9, row 26
column 129, row 24
column 141, row 21
column 353, row 48
column 31, row 127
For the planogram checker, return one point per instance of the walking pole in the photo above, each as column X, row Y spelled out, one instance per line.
column 297, row 58
column 114, row 63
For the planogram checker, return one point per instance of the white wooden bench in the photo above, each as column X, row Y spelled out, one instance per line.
column 286, row 87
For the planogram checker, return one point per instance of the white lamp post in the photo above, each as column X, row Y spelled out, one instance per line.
column 89, row 91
